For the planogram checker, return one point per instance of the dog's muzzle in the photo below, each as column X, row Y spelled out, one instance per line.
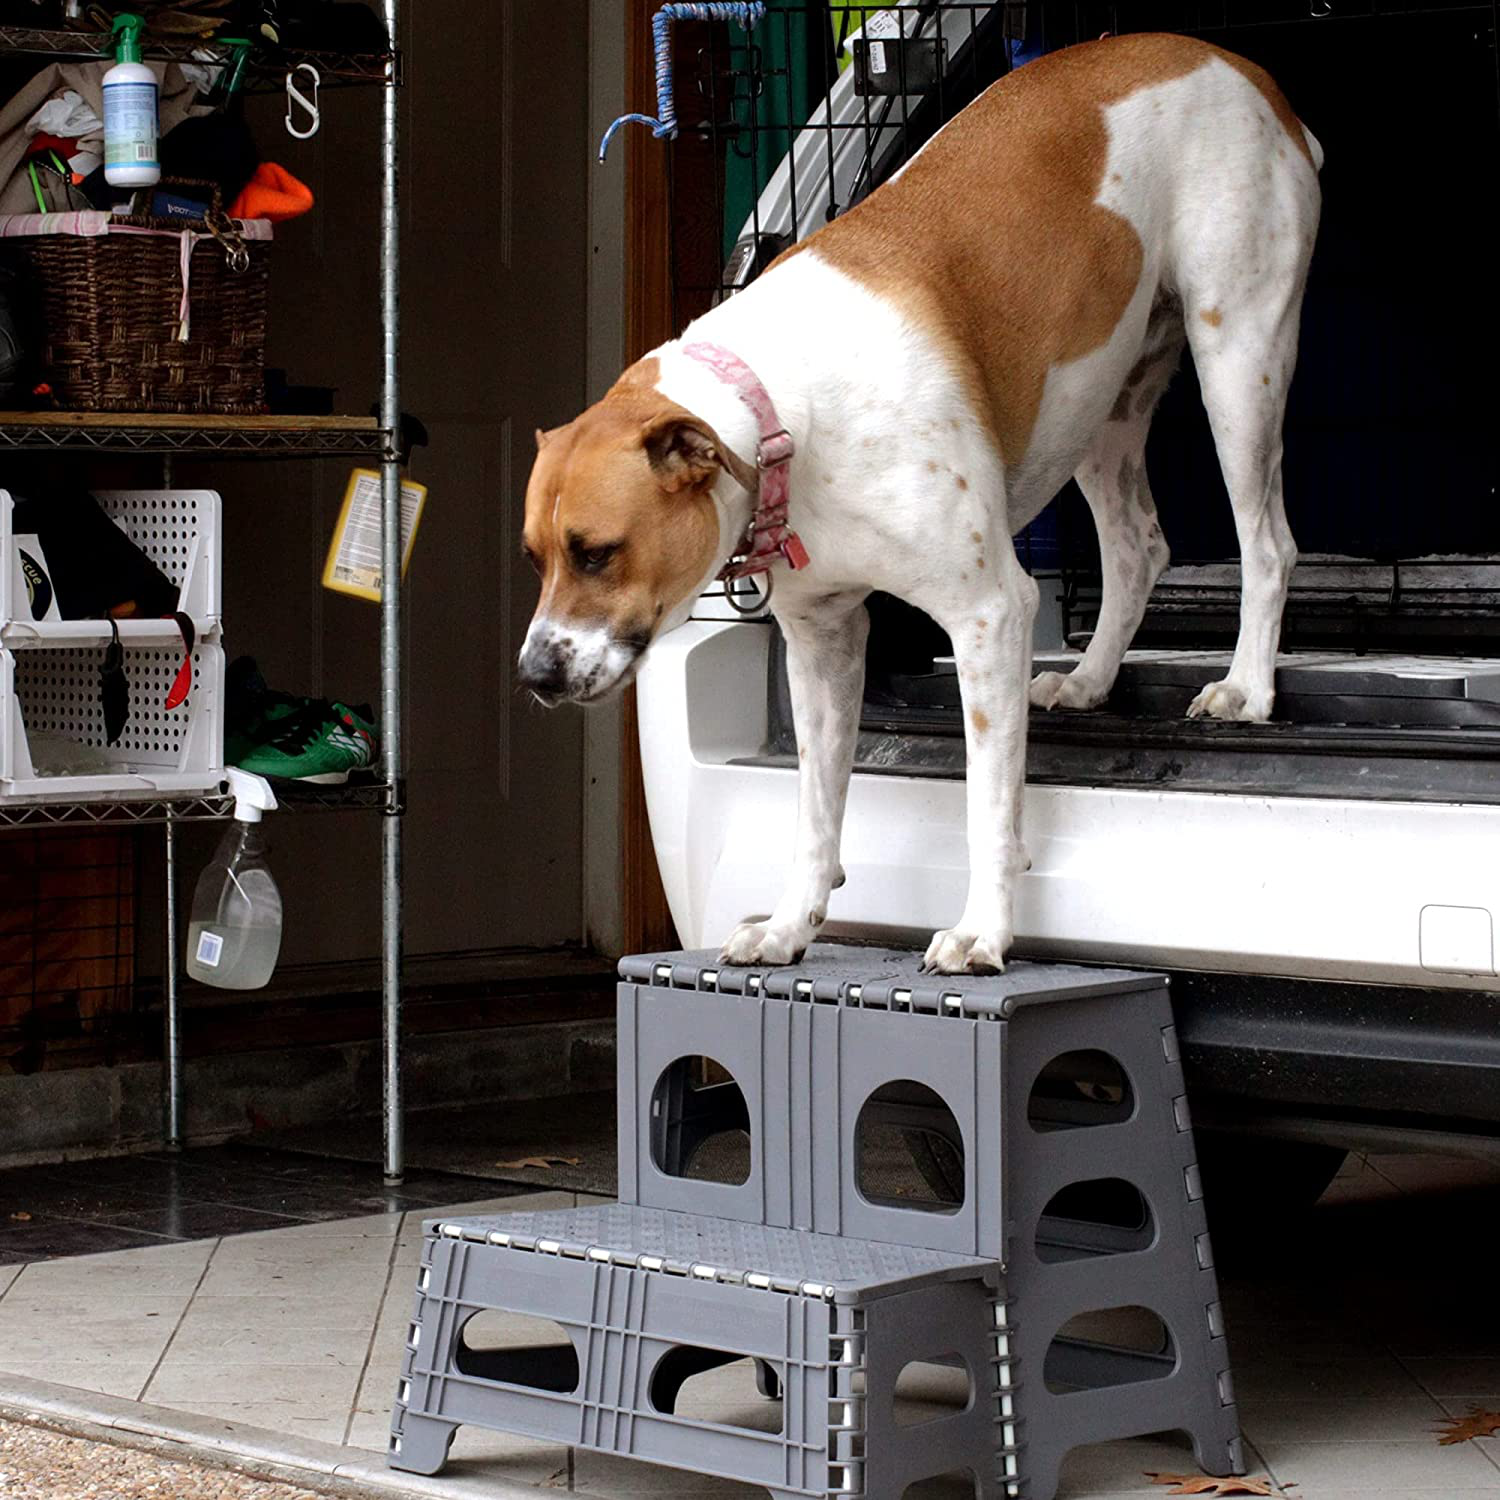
column 560, row 664
column 545, row 671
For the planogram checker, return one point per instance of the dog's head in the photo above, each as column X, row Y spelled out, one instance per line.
column 624, row 533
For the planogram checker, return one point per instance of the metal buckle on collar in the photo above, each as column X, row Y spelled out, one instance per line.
column 772, row 518
column 774, row 449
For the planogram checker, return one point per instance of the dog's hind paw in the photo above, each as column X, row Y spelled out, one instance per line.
column 958, row 952
column 1227, row 700
column 764, row 943
column 1065, row 690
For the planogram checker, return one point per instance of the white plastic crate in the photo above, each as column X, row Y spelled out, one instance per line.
column 52, row 725
column 178, row 530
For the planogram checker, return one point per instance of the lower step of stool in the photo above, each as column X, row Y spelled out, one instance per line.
column 649, row 1298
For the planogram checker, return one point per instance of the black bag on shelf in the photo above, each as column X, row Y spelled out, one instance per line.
column 97, row 572
column 212, row 148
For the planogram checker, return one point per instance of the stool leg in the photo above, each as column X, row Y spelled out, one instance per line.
column 424, row 1445
column 1218, row 1455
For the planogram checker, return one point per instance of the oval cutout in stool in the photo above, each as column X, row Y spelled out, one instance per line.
column 909, row 1150
column 1109, row 1346
column 700, row 1123
column 1080, row 1089
column 927, row 1390
column 956, row 1484
column 517, row 1349
column 714, row 1385
column 1103, row 1216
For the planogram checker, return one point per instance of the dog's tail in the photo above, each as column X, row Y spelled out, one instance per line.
column 1314, row 147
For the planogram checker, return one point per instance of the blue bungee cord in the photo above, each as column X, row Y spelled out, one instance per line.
column 747, row 12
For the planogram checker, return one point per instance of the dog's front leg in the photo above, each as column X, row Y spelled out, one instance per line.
column 825, row 664
column 992, row 649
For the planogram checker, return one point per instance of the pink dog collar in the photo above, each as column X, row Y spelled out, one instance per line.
column 768, row 536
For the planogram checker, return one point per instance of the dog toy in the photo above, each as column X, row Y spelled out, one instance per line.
column 272, row 193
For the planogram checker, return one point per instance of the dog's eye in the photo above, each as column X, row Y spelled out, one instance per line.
column 595, row 559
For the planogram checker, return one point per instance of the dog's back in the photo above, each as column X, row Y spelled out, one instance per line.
column 1040, row 225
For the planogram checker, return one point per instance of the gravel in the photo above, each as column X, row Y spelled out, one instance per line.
column 36, row 1464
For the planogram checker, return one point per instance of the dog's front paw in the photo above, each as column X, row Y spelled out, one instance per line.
column 958, row 951
column 1227, row 700
column 1065, row 690
column 765, row 943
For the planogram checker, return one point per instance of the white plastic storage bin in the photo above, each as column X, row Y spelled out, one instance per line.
column 52, row 725
column 177, row 529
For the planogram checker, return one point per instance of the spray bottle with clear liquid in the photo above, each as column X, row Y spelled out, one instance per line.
column 234, row 934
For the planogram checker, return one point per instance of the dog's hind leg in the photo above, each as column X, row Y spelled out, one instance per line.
column 1243, row 331
column 1132, row 550
column 1244, row 376
column 825, row 663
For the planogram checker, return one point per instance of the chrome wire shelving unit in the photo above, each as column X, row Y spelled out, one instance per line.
column 361, row 796
column 165, row 437
column 266, row 67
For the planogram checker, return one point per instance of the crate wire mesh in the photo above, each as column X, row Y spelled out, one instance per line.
column 67, row 940
column 52, row 718
column 849, row 92
column 788, row 125
column 179, row 530
column 52, row 734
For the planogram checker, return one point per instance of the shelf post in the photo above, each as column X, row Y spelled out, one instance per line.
column 171, row 999
column 171, row 1003
column 390, row 614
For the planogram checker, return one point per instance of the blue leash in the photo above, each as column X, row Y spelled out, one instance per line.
column 746, row 12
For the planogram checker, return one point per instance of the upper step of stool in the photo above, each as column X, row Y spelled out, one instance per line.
column 886, row 979
column 794, row 1261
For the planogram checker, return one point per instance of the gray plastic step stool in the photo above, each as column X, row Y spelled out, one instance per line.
column 1046, row 1107
column 650, row 1297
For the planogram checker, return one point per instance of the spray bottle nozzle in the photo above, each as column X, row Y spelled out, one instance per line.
column 126, row 31
column 252, row 795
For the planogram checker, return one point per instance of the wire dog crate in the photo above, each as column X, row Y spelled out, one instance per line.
column 818, row 104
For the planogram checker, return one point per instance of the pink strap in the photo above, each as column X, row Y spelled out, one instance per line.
column 184, row 308
column 768, row 535
column 90, row 223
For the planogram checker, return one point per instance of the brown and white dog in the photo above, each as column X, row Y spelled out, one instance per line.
column 1003, row 314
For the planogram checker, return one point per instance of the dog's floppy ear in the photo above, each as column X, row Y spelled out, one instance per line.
column 686, row 453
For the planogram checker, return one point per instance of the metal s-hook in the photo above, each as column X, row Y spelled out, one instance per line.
column 294, row 95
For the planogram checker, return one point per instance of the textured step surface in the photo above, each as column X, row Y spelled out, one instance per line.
column 886, row 978
column 714, row 1249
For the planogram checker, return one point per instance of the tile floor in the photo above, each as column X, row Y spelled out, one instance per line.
column 1355, row 1328
column 127, row 1202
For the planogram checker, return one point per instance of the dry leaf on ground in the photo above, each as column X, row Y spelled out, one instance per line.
column 1206, row 1484
column 1477, row 1424
column 539, row 1163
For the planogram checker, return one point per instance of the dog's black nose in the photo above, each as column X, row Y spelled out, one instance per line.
column 543, row 671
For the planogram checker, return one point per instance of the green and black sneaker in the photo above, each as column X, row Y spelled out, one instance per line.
column 251, row 709
column 319, row 741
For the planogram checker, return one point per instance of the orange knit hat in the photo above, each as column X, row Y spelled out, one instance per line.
column 272, row 193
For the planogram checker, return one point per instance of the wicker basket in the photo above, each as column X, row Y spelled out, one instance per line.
column 113, row 308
